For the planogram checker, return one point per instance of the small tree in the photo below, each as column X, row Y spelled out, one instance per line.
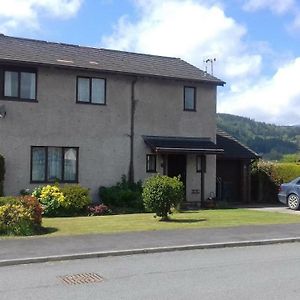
column 161, row 193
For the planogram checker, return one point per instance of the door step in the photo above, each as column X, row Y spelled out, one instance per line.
column 190, row 205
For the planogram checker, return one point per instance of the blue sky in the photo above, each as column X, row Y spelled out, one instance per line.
column 255, row 42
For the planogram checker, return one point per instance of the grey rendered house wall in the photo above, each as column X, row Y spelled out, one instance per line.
column 102, row 131
column 159, row 111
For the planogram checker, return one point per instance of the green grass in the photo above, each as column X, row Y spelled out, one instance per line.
column 146, row 222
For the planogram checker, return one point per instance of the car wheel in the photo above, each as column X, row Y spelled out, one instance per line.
column 293, row 201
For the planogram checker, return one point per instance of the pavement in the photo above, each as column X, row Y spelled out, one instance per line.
column 44, row 249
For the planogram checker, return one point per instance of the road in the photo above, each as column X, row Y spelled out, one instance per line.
column 261, row 272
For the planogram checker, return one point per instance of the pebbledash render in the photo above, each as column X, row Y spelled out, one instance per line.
column 85, row 115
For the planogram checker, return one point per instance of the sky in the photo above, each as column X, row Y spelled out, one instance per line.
column 256, row 43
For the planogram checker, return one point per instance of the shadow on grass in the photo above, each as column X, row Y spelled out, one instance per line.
column 46, row 230
column 184, row 220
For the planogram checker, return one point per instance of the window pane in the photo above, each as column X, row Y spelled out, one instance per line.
column 189, row 98
column 54, row 163
column 70, row 164
column 38, row 164
column 11, row 84
column 98, row 90
column 27, row 86
column 83, row 89
column 151, row 163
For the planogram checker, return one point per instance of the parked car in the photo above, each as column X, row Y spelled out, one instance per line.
column 289, row 194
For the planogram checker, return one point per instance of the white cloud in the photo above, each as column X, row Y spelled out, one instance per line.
column 16, row 14
column 276, row 6
column 190, row 30
column 273, row 100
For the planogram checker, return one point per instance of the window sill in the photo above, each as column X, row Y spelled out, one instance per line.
column 91, row 103
column 53, row 182
column 19, row 100
column 189, row 110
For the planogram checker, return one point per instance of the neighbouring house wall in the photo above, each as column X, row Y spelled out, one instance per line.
column 102, row 132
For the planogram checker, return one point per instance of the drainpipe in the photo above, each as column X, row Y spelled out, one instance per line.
column 203, row 170
column 131, row 135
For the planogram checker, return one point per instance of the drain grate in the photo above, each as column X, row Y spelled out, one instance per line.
column 81, row 278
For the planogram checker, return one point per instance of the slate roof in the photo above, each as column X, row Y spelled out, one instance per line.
column 73, row 56
column 233, row 149
column 181, row 145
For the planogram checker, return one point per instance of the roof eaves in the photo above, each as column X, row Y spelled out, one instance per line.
column 76, row 67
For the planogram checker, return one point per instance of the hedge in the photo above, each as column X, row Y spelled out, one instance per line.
column 287, row 171
column 267, row 177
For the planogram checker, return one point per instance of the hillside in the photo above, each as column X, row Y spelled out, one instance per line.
column 271, row 141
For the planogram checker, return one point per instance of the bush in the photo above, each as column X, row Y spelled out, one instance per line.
column 20, row 215
column 2, row 172
column 267, row 177
column 287, row 171
column 51, row 199
column 68, row 200
column 161, row 193
column 98, row 210
column 76, row 199
column 124, row 196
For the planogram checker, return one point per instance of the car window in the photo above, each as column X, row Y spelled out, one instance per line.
column 298, row 182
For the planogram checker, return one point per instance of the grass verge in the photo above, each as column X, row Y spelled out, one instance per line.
column 146, row 222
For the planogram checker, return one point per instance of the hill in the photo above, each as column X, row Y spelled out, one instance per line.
column 269, row 140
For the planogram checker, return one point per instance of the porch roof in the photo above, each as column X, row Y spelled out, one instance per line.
column 166, row 144
column 234, row 149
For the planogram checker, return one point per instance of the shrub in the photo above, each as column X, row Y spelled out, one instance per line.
column 67, row 200
column 25, row 192
column 265, row 182
column 287, row 171
column 267, row 177
column 51, row 199
column 2, row 172
column 161, row 193
column 124, row 195
column 76, row 199
column 33, row 205
column 20, row 215
column 98, row 210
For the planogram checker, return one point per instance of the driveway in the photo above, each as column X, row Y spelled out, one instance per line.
column 273, row 208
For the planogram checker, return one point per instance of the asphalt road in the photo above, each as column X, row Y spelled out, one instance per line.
column 261, row 272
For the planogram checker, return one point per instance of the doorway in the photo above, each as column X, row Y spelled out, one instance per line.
column 177, row 166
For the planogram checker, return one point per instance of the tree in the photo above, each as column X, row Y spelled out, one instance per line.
column 161, row 193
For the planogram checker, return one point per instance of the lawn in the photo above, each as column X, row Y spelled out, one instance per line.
column 146, row 222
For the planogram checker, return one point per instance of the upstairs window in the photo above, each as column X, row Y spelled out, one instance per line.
column 189, row 98
column 20, row 85
column 91, row 90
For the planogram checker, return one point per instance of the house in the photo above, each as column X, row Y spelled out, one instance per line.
column 234, row 169
column 87, row 115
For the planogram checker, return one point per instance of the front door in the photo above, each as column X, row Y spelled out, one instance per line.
column 177, row 166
